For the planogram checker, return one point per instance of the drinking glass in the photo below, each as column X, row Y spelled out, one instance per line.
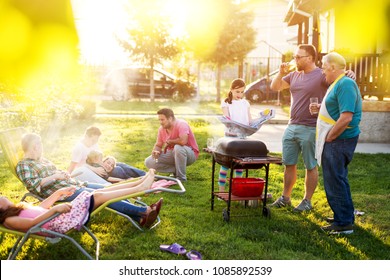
column 313, row 109
column 292, row 65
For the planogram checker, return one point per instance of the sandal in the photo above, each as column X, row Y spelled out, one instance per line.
column 194, row 255
column 174, row 248
column 149, row 219
column 157, row 206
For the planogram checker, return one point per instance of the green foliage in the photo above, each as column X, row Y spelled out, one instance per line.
column 188, row 220
column 189, row 107
column 36, row 111
column 49, row 103
column 237, row 38
column 288, row 56
column 149, row 40
column 184, row 88
column 235, row 41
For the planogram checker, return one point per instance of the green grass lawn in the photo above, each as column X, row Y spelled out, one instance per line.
column 190, row 107
column 188, row 220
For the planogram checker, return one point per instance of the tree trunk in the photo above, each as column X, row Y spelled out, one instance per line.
column 240, row 68
column 218, row 99
column 198, row 81
column 151, row 79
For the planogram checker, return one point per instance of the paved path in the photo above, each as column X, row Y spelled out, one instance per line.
column 271, row 134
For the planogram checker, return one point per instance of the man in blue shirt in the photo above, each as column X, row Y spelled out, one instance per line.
column 337, row 136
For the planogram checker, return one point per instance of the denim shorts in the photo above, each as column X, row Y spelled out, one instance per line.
column 299, row 139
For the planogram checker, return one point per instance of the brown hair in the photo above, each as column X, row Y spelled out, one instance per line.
column 310, row 49
column 10, row 212
column 166, row 112
column 93, row 131
column 236, row 83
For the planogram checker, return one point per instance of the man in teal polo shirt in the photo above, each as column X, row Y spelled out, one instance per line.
column 337, row 136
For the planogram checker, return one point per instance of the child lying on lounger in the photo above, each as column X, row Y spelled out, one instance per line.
column 23, row 216
column 95, row 159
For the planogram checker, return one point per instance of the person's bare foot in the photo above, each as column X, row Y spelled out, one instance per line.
column 148, row 180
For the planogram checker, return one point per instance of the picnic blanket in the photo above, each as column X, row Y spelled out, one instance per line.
column 162, row 184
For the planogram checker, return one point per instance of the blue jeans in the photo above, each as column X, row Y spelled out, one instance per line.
column 335, row 159
column 124, row 171
column 123, row 206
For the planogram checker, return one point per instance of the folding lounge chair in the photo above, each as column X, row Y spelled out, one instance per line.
column 38, row 232
column 10, row 141
column 55, row 237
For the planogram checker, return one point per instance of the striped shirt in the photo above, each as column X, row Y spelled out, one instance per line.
column 31, row 172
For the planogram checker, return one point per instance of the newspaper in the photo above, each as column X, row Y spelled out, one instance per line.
column 237, row 129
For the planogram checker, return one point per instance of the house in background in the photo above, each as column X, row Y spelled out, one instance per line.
column 271, row 38
column 357, row 29
column 360, row 31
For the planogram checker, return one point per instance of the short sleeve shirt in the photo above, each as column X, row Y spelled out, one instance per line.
column 181, row 127
column 238, row 110
column 80, row 153
column 302, row 87
column 345, row 97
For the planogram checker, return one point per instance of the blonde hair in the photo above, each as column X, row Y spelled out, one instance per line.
column 29, row 140
column 110, row 157
column 94, row 157
column 336, row 59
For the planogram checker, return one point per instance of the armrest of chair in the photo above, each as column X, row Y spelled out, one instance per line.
column 181, row 190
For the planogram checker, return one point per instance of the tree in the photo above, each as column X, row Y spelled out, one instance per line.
column 40, row 76
column 236, row 40
column 149, row 40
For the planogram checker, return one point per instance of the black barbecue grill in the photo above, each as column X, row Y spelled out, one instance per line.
column 237, row 153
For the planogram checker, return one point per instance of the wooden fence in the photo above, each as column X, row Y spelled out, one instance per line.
column 372, row 73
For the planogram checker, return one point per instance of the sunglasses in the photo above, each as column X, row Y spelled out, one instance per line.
column 299, row 56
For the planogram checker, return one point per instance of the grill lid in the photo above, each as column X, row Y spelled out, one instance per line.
column 237, row 147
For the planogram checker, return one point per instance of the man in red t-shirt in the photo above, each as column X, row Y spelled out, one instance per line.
column 175, row 147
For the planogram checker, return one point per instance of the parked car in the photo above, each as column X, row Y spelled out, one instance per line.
column 257, row 90
column 134, row 82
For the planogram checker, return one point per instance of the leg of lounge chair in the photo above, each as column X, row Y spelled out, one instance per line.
column 55, row 237
column 18, row 245
column 97, row 249
column 81, row 249
column 12, row 253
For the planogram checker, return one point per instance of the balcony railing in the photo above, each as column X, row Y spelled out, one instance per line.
column 372, row 73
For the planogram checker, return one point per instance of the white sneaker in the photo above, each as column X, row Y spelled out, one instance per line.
column 305, row 205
